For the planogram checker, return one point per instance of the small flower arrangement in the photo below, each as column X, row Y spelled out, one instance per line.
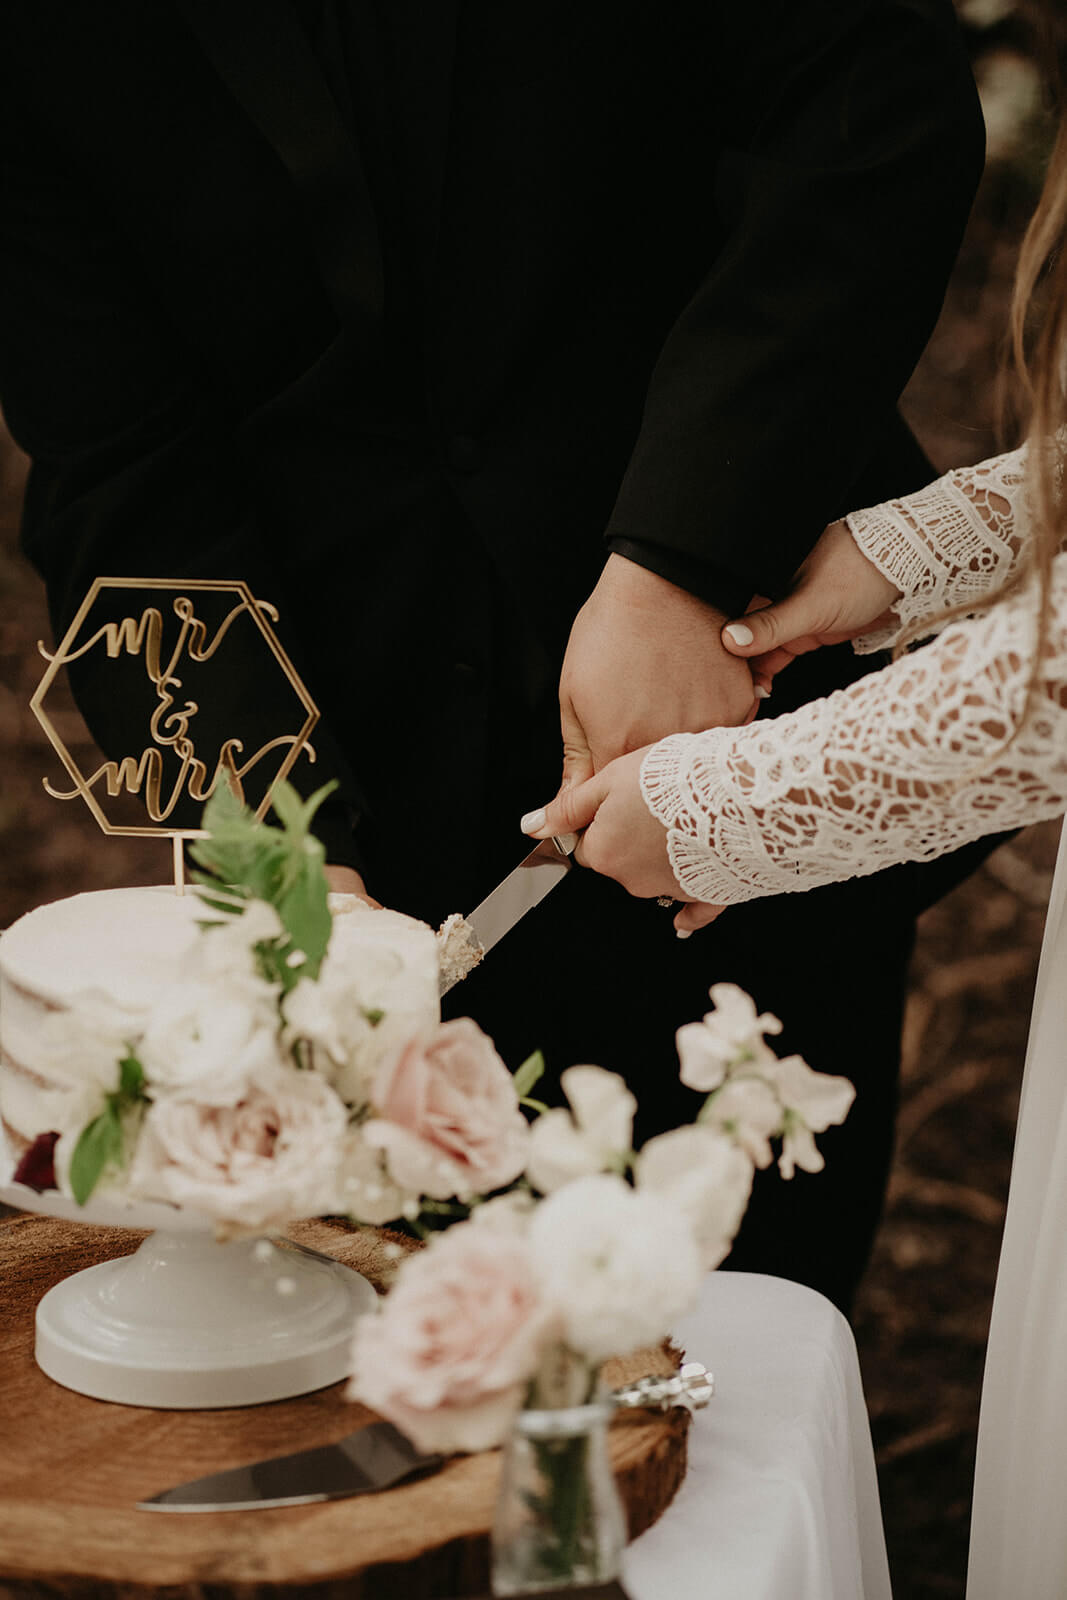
column 269, row 1080
column 595, row 1250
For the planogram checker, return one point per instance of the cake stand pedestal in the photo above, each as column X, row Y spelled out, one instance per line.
column 188, row 1322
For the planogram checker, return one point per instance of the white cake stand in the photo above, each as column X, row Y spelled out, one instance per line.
column 187, row 1322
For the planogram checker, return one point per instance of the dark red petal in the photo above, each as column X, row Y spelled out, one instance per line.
column 37, row 1168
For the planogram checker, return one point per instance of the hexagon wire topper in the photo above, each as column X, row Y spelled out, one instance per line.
column 135, row 635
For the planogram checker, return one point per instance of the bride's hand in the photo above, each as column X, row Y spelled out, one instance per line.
column 837, row 594
column 619, row 836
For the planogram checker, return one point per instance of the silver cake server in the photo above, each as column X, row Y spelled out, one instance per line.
column 375, row 1457
column 379, row 1456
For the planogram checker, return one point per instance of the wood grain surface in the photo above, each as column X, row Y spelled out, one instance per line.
column 72, row 1469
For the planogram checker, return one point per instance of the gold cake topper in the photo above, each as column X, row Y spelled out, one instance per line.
column 169, row 757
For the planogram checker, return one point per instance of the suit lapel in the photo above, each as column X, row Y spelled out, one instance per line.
column 259, row 50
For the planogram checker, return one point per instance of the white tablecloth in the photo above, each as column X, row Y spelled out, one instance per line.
column 780, row 1501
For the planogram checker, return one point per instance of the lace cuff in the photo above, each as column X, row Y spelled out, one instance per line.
column 951, row 544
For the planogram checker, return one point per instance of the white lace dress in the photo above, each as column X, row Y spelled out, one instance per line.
column 905, row 764
column 902, row 766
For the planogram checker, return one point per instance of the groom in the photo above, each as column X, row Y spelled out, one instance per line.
column 459, row 330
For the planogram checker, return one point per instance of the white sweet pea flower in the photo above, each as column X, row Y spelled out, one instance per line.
column 730, row 1034
column 812, row 1102
column 821, row 1100
column 704, row 1176
column 749, row 1111
column 616, row 1265
column 798, row 1148
column 594, row 1136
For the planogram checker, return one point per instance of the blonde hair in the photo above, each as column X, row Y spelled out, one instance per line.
column 1038, row 350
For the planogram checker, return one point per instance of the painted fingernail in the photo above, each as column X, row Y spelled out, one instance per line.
column 739, row 633
column 762, row 693
column 683, row 933
column 532, row 821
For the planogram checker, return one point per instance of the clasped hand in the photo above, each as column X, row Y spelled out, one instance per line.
column 646, row 659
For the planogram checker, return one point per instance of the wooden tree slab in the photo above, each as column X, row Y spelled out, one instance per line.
column 72, row 1469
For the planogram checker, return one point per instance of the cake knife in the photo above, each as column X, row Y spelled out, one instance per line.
column 379, row 1456
column 523, row 888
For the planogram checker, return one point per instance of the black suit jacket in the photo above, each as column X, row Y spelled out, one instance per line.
column 672, row 267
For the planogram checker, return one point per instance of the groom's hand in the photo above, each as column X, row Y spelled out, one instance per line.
column 644, row 659
column 346, row 880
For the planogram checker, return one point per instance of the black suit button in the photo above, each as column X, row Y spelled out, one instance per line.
column 466, row 676
column 464, row 454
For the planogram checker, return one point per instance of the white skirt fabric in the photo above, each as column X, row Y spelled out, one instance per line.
column 1019, row 1520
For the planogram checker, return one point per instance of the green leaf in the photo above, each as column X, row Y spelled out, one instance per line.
column 288, row 807
column 304, row 909
column 373, row 1014
column 314, row 801
column 529, row 1073
column 244, row 859
column 131, row 1078
column 99, row 1143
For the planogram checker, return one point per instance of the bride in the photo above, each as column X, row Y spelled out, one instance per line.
column 964, row 736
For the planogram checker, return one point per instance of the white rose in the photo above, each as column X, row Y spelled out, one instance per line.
column 595, row 1135
column 255, row 1164
column 730, row 1033
column 210, row 1039
column 618, row 1266
column 704, row 1176
column 226, row 950
column 356, row 1015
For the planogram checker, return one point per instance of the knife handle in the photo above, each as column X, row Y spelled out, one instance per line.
column 565, row 843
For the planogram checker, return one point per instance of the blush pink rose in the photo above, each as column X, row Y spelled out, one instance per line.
column 272, row 1157
column 449, row 1122
column 449, row 1353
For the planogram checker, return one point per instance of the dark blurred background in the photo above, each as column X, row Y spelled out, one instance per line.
column 923, row 1315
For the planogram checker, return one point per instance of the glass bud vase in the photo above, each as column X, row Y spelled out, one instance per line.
column 559, row 1520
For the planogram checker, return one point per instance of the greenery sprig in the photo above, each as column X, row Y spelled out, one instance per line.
column 243, row 859
column 102, row 1141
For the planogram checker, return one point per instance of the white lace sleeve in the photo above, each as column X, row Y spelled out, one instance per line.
column 951, row 544
column 904, row 765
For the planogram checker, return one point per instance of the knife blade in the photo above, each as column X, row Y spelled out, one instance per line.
column 375, row 1457
column 379, row 1456
column 523, row 888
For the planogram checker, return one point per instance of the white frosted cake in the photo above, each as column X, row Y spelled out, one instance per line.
column 126, row 945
